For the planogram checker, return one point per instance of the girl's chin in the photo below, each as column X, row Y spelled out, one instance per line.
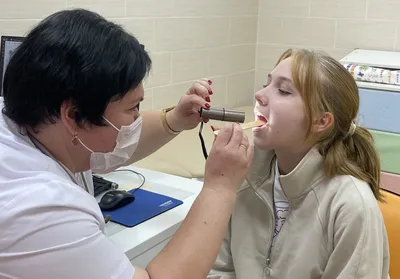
column 261, row 132
column 261, row 143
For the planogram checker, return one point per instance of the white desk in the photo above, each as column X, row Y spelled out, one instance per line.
column 142, row 242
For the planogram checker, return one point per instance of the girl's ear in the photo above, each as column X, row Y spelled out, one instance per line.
column 324, row 122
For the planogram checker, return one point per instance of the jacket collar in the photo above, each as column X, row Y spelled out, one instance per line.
column 297, row 182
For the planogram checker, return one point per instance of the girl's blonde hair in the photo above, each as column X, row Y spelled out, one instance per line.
column 326, row 86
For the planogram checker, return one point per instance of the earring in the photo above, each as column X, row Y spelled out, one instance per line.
column 75, row 139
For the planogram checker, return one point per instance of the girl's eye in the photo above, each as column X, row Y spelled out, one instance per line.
column 283, row 92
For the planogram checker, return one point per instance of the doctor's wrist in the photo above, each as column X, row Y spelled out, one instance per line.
column 173, row 122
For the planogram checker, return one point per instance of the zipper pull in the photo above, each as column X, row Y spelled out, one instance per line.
column 267, row 271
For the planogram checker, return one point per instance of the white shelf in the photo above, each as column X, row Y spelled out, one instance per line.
column 378, row 86
column 373, row 58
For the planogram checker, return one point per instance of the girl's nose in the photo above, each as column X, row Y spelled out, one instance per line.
column 261, row 98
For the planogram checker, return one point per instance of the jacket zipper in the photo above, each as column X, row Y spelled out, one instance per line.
column 272, row 213
column 269, row 249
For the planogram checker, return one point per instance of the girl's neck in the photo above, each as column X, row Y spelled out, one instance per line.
column 288, row 160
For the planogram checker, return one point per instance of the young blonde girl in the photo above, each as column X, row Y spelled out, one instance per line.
column 309, row 208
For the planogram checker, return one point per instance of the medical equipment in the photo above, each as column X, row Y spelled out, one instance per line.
column 222, row 114
column 247, row 125
column 226, row 115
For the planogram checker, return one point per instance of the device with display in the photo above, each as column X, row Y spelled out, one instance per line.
column 8, row 46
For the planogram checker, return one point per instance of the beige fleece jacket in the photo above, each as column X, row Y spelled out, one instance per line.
column 335, row 228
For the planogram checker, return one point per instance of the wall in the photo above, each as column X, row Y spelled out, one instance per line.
column 187, row 39
column 335, row 26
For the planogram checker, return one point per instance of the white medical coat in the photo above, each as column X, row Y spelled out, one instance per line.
column 50, row 227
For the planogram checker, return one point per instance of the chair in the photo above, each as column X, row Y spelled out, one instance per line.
column 391, row 216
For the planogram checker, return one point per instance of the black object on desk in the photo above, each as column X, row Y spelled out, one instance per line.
column 115, row 199
column 102, row 185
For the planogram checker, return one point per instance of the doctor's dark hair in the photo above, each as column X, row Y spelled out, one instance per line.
column 73, row 55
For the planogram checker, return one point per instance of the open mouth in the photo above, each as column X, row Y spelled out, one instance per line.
column 262, row 118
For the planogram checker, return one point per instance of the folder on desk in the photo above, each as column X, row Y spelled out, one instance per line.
column 145, row 206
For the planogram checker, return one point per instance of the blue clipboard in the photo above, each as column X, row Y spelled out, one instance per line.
column 145, row 206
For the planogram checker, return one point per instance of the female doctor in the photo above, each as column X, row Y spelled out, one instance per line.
column 71, row 97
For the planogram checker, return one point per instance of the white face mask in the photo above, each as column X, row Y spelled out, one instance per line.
column 127, row 142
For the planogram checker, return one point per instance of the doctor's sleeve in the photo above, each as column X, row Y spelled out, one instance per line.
column 360, row 244
column 59, row 242
column 93, row 256
column 223, row 267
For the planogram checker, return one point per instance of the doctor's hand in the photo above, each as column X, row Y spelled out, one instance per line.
column 229, row 160
column 186, row 115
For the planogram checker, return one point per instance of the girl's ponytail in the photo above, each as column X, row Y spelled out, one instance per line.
column 354, row 155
